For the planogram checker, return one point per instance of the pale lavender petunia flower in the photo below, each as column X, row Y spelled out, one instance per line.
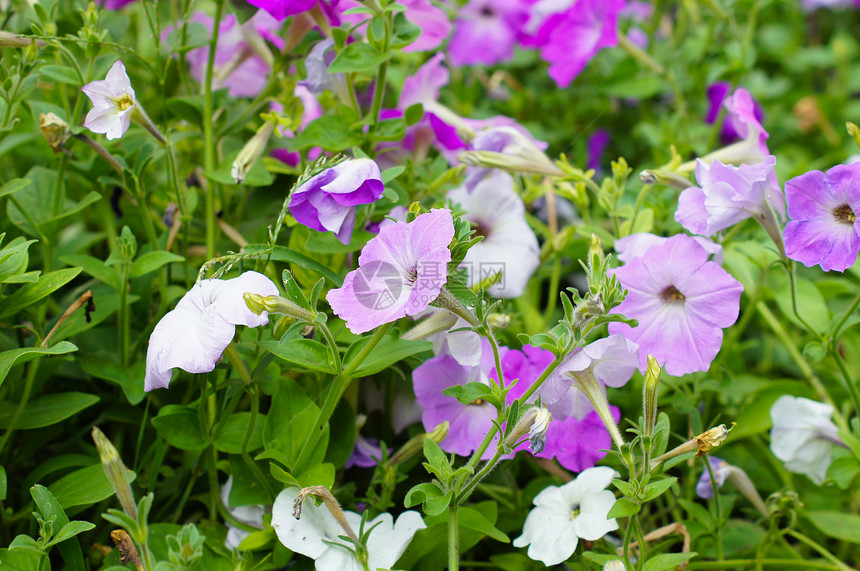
column 682, row 302
column 571, row 36
column 611, row 361
column 745, row 119
column 721, row 470
column 366, row 453
column 193, row 336
column 635, row 245
column 318, row 78
column 401, row 271
column 509, row 245
column 486, row 31
column 727, row 195
column 803, row 436
column 823, row 228
column 327, row 201
column 250, row 515
column 114, row 102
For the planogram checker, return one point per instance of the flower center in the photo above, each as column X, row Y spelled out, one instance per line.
column 574, row 513
column 124, row 102
column 477, row 402
column 412, row 276
column 481, row 229
column 672, row 295
column 487, row 12
column 844, row 214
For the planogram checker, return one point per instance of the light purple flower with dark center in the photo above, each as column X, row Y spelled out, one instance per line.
column 574, row 32
column 193, row 336
column 327, row 201
column 732, row 128
column 486, row 31
column 727, row 195
column 469, row 423
column 682, row 302
column 401, row 271
column 823, row 228
column 509, row 245
column 596, row 144
column 721, row 470
column 609, row 361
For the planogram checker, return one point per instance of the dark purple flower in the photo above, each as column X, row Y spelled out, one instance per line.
column 327, row 201
column 597, row 143
column 682, row 302
column 823, row 228
column 733, row 125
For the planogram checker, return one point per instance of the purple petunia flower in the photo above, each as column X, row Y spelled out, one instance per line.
column 401, row 271
column 596, row 144
column 721, row 469
column 574, row 32
column 194, row 335
column 733, row 125
column 366, row 453
column 327, row 201
column 115, row 4
column 823, row 228
column 509, row 245
column 635, row 245
column 486, row 31
column 727, row 194
column 682, row 302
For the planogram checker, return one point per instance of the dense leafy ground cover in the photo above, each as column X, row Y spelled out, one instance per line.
column 439, row 283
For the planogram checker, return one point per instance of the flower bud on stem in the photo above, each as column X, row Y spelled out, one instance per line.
column 276, row 304
column 115, row 471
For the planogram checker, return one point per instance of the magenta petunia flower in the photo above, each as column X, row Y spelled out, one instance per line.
column 682, row 302
column 823, row 229
column 744, row 114
column 327, row 201
column 727, row 194
column 282, row 9
column 574, row 32
column 509, row 245
column 115, row 4
column 194, row 335
column 486, row 31
column 733, row 125
column 401, row 271
column 596, row 144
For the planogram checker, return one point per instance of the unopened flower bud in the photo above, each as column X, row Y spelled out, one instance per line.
column 415, row 445
column 251, row 152
column 537, row 433
column 614, row 565
column 115, row 471
column 276, row 304
column 665, row 178
column 590, row 308
column 499, row 320
column 527, row 162
column 854, row 131
column 649, row 394
column 55, row 130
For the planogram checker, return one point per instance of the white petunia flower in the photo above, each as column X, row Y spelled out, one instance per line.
column 316, row 534
column 564, row 514
column 509, row 243
column 114, row 103
column 803, row 435
column 194, row 335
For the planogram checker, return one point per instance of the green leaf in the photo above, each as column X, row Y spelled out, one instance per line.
column 635, row 88
column 358, row 56
column 390, row 350
column 667, row 561
column 839, row 525
column 13, row 186
column 95, row 268
column 85, row 487
column 284, row 254
column 469, row 392
column 61, row 73
column 428, row 493
column 405, row 32
column 129, row 378
column 317, row 475
column 19, row 559
column 655, row 489
column 4, row 483
column 810, row 305
column 232, row 433
column 31, row 293
column 623, row 507
column 473, row 519
column 843, row 470
column 13, row 357
column 187, row 108
column 330, row 132
column 289, row 423
column 303, row 352
column 180, row 427
column 50, row 509
column 45, row 411
column 151, row 261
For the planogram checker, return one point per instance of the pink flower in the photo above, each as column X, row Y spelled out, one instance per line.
column 486, row 31
column 682, row 302
column 400, row 272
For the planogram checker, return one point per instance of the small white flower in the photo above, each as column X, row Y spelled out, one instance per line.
column 564, row 514
column 316, row 533
column 194, row 335
column 114, row 102
column 803, row 435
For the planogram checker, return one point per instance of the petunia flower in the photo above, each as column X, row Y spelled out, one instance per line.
column 733, row 127
column 803, row 435
column 114, row 103
column 823, row 228
column 327, row 201
column 486, row 31
column 401, row 271
column 727, row 195
column 433, row 21
column 634, row 246
column 682, row 302
column 721, row 470
column 596, row 144
column 509, row 245
column 251, row 515
column 194, row 335
column 282, row 9
column 317, row 534
column 563, row 515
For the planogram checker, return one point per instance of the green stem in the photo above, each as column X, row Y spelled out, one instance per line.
column 793, row 282
column 25, row 397
column 628, row 536
column 746, row 563
column 332, row 346
column 255, row 411
column 851, row 309
column 849, row 384
column 453, row 537
column 817, row 548
column 208, row 132
column 552, row 292
column 485, row 470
